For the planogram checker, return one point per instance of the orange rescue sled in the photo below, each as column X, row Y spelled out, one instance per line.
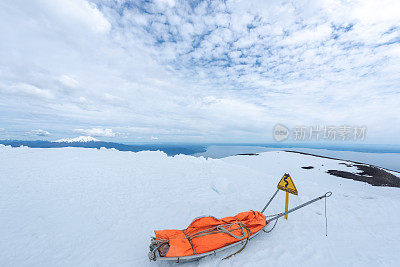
column 208, row 235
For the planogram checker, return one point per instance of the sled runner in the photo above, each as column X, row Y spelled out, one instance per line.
column 209, row 235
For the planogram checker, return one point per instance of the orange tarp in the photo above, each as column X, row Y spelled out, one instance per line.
column 180, row 245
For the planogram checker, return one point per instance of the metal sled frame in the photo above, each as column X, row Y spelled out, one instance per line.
column 202, row 255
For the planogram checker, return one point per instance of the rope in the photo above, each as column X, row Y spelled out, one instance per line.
column 221, row 228
column 247, row 240
column 190, row 241
column 269, row 231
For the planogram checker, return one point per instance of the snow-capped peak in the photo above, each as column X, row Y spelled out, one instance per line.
column 82, row 139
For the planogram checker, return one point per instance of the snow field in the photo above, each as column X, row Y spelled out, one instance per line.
column 90, row 207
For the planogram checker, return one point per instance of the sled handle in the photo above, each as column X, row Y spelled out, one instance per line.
column 327, row 194
column 270, row 200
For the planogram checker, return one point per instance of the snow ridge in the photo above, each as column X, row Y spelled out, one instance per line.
column 82, row 139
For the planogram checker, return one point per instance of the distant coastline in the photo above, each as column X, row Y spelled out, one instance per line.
column 170, row 150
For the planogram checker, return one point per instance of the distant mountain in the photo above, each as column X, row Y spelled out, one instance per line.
column 90, row 142
column 78, row 139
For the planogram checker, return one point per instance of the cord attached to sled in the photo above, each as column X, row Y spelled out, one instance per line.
column 245, row 244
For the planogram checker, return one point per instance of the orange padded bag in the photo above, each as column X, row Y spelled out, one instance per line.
column 204, row 239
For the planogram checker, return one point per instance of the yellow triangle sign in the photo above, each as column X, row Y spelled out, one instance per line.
column 286, row 184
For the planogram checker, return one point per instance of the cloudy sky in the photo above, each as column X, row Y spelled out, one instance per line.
column 197, row 71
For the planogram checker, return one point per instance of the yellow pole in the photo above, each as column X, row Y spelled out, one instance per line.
column 286, row 204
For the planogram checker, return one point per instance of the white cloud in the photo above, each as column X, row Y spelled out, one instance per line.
column 375, row 12
column 26, row 89
column 113, row 99
column 309, row 35
column 38, row 132
column 82, row 100
column 163, row 3
column 75, row 13
column 68, row 81
column 96, row 132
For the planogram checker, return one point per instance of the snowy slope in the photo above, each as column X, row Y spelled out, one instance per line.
column 389, row 161
column 386, row 160
column 90, row 207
